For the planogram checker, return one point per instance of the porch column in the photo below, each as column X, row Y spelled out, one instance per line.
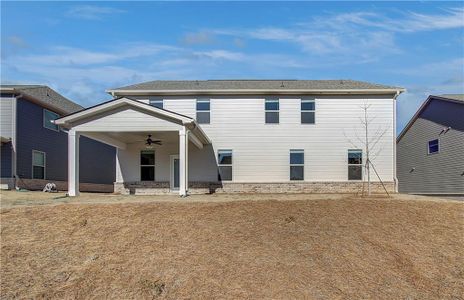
column 183, row 161
column 73, row 163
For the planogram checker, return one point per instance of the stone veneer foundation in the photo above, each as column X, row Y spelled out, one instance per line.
column 161, row 188
column 39, row 184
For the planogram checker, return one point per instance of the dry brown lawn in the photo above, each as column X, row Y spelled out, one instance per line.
column 311, row 247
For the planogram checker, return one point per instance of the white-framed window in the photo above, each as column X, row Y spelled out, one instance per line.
column 147, row 165
column 308, row 111
column 156, row 102
column 203, row 111
column 433, row 146
column 225, row 165
column 354, row 164
column 38, row 164
column 296, row 164
column 271, row 111
column 48, row 117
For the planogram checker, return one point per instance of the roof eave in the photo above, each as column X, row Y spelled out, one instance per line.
column 120, row 92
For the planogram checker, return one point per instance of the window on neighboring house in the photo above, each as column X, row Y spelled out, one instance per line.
column 203, row 111
column 38, row 164
column 147, row 165
column 434, row 146
column 156, row 102
column 48, row 117
column 355, row 164
column 225, row 165
column 308, row 111
column 296, row 164
column 271, row 108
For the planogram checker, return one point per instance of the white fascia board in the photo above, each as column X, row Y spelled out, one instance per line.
column 256, row 91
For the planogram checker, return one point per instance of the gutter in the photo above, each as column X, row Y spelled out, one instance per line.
column 254, row 91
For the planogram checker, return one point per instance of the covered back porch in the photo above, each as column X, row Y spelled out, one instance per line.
column 156, row 148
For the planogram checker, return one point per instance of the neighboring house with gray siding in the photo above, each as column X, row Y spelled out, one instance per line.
column 430, row 149
column 34, row 150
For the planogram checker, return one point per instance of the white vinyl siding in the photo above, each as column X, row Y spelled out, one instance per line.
column 238, row 123
column 7, row 109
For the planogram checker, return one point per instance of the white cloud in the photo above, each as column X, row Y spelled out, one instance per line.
column 198, row 38
column 92, row 12
column 404, row 22
column 221, row 54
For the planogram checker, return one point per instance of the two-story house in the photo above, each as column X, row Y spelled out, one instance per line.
column 431, row 148
column 240, row 135
column 34, row 151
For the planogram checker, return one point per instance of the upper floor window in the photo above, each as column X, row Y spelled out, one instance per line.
column 48, row 117
column 434, row 146
column 308, row 111
column 38, row 164
column 355, row 164
column 271, row 108
column 156, row 102
column 203, row 111
column 225, row 165
column 296, row 164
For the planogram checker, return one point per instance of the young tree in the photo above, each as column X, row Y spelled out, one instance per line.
column 369, row 141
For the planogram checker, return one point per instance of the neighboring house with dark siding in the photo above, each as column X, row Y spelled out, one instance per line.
column 430, row 149
column 34, row 150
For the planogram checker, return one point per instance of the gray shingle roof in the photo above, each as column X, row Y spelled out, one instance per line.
column 281, row 85
column 47, row 96
column 459, row 97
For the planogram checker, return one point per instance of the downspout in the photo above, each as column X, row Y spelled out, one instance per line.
column 395, row 178
column 14, row 138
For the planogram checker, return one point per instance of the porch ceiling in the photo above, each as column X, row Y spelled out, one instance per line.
column 134, row 137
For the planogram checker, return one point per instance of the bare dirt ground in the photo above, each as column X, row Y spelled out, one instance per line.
column 308, row 246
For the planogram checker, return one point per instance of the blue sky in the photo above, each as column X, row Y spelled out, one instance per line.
column 83, row 48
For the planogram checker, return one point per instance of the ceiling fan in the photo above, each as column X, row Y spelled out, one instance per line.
column 149, row 141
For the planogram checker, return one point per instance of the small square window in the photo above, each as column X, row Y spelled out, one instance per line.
column 271, row 105
column 157, row 103
column 434, row 146
column 48, row 117
column 272, row 117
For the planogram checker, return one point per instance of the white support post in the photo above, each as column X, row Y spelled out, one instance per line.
column 183, row 161
column 73, row 163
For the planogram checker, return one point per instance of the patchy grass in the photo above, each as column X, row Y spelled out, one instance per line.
column 319, row 248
